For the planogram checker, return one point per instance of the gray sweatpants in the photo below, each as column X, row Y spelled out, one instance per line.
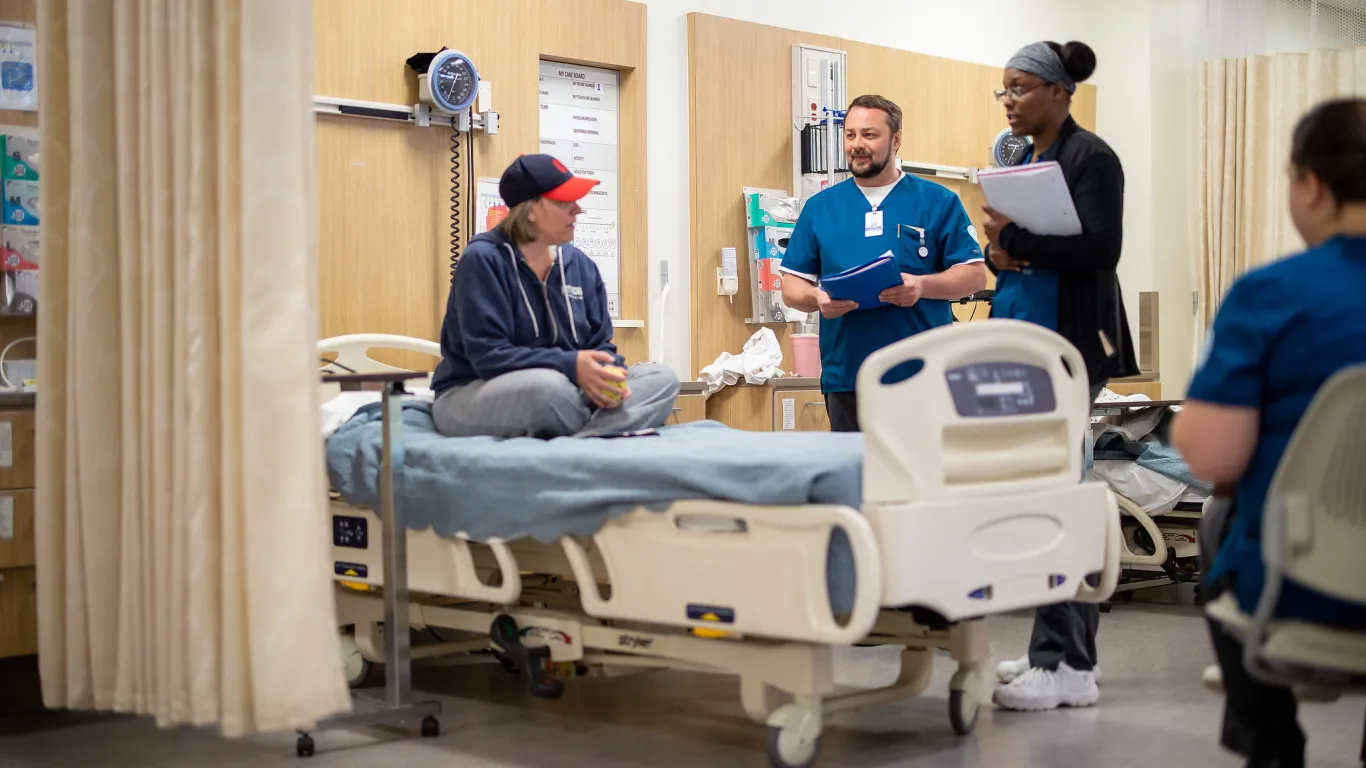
column 540, row 402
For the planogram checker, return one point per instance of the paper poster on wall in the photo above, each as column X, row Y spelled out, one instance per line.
column 579, row 126
column 18, row 67
column 489, row 206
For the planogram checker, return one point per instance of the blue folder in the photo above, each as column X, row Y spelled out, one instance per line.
column 863, row 283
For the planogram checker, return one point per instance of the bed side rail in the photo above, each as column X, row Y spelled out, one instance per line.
column 436, row 565
column 732, row 568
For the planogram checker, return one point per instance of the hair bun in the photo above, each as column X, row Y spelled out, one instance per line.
column 1079, row 60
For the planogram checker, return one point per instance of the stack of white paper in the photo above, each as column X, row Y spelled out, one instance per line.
column 1034, row 196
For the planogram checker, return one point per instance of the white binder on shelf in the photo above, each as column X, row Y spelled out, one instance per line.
column 1034, row 196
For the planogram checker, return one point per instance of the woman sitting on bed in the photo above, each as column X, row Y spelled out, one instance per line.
column 1281, row 332
column 526, row 346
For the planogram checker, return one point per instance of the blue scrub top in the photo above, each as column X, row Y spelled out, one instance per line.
column 1281, row 332
column 829, row 238
column 1030, row 294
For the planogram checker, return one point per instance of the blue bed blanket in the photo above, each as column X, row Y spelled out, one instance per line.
column 546, row 489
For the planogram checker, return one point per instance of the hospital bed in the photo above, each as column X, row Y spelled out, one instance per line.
column 965, row 502
column 1161, row 527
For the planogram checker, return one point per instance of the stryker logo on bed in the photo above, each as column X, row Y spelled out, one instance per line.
column 711, row 613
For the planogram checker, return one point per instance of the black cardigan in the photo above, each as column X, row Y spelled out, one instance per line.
column 1089, row 299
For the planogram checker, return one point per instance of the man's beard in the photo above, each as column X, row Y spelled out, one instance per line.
column 874, row 167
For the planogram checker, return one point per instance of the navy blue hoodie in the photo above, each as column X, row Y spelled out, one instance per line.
column 500, row 317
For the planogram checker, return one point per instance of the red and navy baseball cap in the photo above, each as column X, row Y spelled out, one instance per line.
column 532, row 176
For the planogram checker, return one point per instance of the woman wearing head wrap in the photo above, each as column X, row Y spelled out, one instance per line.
column 1068, row 285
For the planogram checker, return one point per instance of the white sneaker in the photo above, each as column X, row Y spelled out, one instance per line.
column 1213, row 678
column 1040, row 689
column 1009, row 670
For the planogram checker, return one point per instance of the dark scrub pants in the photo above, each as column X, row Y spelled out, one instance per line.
column 1067, row 631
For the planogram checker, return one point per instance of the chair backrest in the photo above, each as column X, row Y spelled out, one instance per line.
column 1321, row 483
column 995, row 407
column 353, row 353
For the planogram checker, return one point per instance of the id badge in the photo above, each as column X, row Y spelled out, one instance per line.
column 872, row 224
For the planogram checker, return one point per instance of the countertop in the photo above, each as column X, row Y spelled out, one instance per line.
column 13, row 400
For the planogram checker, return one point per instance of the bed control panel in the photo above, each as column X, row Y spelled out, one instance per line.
column 986, row 390
column 350, row 532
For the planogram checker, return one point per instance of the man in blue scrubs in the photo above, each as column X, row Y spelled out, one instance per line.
column 879, row 210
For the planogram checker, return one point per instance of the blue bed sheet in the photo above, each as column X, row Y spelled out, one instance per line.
column 545, row 489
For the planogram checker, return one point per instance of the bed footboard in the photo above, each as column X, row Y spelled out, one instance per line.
column 733, row 568
column 972, row 557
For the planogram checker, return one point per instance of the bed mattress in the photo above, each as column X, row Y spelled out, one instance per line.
column 545, row 489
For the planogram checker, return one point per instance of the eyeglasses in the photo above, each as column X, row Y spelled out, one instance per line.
column 1015, row 93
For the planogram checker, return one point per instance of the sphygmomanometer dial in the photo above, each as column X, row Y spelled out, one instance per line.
column 453, row 81
column 1009, row 149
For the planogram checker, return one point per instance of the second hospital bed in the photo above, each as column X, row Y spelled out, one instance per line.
column 748, row 553
column 1160, row 501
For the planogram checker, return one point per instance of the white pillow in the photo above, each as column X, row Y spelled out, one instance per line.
column 341, row 408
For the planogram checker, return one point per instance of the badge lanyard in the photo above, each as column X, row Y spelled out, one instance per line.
column 872, row 223
column 872, row 220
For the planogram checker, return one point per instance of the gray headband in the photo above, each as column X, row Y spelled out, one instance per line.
column 1040, row 59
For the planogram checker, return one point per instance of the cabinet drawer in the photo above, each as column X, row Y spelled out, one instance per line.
column 16, row 529
column 800, row 410
column 16, row 449
column 689, row 408
column 18, row 613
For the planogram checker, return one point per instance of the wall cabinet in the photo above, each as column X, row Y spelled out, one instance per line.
column 18, row 598
column 788, row 404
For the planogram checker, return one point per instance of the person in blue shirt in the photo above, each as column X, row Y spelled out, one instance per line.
column 526, row 346
column 879, row 210
column 1281, row 331
column 1067, row 284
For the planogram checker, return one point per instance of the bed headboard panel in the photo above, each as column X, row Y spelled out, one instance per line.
column 353, row 352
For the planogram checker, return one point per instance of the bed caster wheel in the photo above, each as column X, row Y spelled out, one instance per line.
column 1106, row 606
column 1199, row 595
column 787, row 750
column 304, row 748
column 794, row 736
column 431, row 727
column 963, row 712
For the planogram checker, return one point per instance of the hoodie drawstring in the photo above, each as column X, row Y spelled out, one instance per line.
column 564, row 288
column 535, row 326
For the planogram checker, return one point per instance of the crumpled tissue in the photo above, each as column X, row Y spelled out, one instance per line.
column 760, row 361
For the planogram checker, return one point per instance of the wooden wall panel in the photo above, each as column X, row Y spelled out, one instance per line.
column 740, row 110
column 384, row 190
column 950, row 118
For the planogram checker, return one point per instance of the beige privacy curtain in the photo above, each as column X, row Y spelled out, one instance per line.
column 1248, row 110
column 182, row 543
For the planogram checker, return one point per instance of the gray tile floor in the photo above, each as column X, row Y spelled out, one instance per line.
column 1153, row 713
